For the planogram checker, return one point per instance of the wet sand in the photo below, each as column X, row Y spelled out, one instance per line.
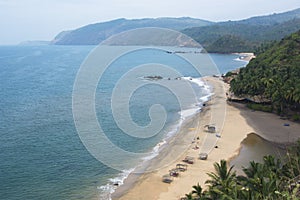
column 254, row 148
column 233, row 121
column 245, row 56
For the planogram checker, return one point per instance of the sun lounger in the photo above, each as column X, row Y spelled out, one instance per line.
column 189, row 160
column 181, row 167
column 203, row 156
column 174, row 172
column 211, row 128
column 167, row 178
column 196, row 147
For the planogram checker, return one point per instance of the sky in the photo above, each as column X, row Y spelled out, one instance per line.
column 23, row 20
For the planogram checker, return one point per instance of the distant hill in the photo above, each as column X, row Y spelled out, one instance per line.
column 153, row 37
column 93, row 34
column 245, row 35
column 231, row 42
column 273, row 19
column 274, row 75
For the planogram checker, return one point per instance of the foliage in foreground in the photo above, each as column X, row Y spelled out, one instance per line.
column 269, row 180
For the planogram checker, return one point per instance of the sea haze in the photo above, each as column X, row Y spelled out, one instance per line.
column 41, row 154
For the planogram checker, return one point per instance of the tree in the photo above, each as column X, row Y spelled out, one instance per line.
column 222, row 181
column 268, row 180
column 274, row 76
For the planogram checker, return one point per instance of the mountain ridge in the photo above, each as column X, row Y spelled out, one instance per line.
column 273, row 18
column 245, row 35
column 253, row 32
column 93, row 34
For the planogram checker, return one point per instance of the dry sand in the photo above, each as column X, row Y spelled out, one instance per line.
column 232, row 122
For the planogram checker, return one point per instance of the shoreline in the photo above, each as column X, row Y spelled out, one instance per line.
column 181, row 141
column 245, row 56
column 254, row 148
column 150, row 185
column 238, row 123
column 176, row 147
column 188, row 119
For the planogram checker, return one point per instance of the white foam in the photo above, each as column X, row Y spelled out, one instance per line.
column 169, row 133
column 174, row 129
column 105, row 191
column 241, row 60
column 109, row 188
column 122, row 176
column 158, row 146
column 155, row 151
column 206, row 98
column 197, row 81
column 189, row 112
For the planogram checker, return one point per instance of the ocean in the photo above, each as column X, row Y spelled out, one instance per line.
column 42, row 153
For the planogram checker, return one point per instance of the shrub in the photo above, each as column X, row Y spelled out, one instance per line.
column 260, row 107
column 296, row 117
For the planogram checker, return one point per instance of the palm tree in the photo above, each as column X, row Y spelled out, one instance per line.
column 199, row 194
column 272, row 165
column 197, row 190
column 222, row 182
column 291, row 168
column 189, row 196
column 263, row 180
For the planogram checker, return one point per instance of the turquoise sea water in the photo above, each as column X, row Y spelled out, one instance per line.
column 41, row 154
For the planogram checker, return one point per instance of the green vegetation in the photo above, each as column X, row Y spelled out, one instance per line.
column 231, row 43
column 245, row 35
column 274, row 76
column 260, row 107
column 222, row 37
column 228, row 74
column 269, row 180
column 296, row 117
column 263, row 47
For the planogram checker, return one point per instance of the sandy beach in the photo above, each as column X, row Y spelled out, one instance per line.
column 245, row 56
column 233, row 122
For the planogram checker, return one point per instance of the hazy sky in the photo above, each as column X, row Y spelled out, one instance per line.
column 22, row 20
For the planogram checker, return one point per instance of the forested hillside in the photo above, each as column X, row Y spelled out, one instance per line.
column 229, row 44
column 245, row 35
column 222, row 37
column 275, row 75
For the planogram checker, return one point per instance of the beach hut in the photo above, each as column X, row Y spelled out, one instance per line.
column 167, row 178
column 203, row 156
